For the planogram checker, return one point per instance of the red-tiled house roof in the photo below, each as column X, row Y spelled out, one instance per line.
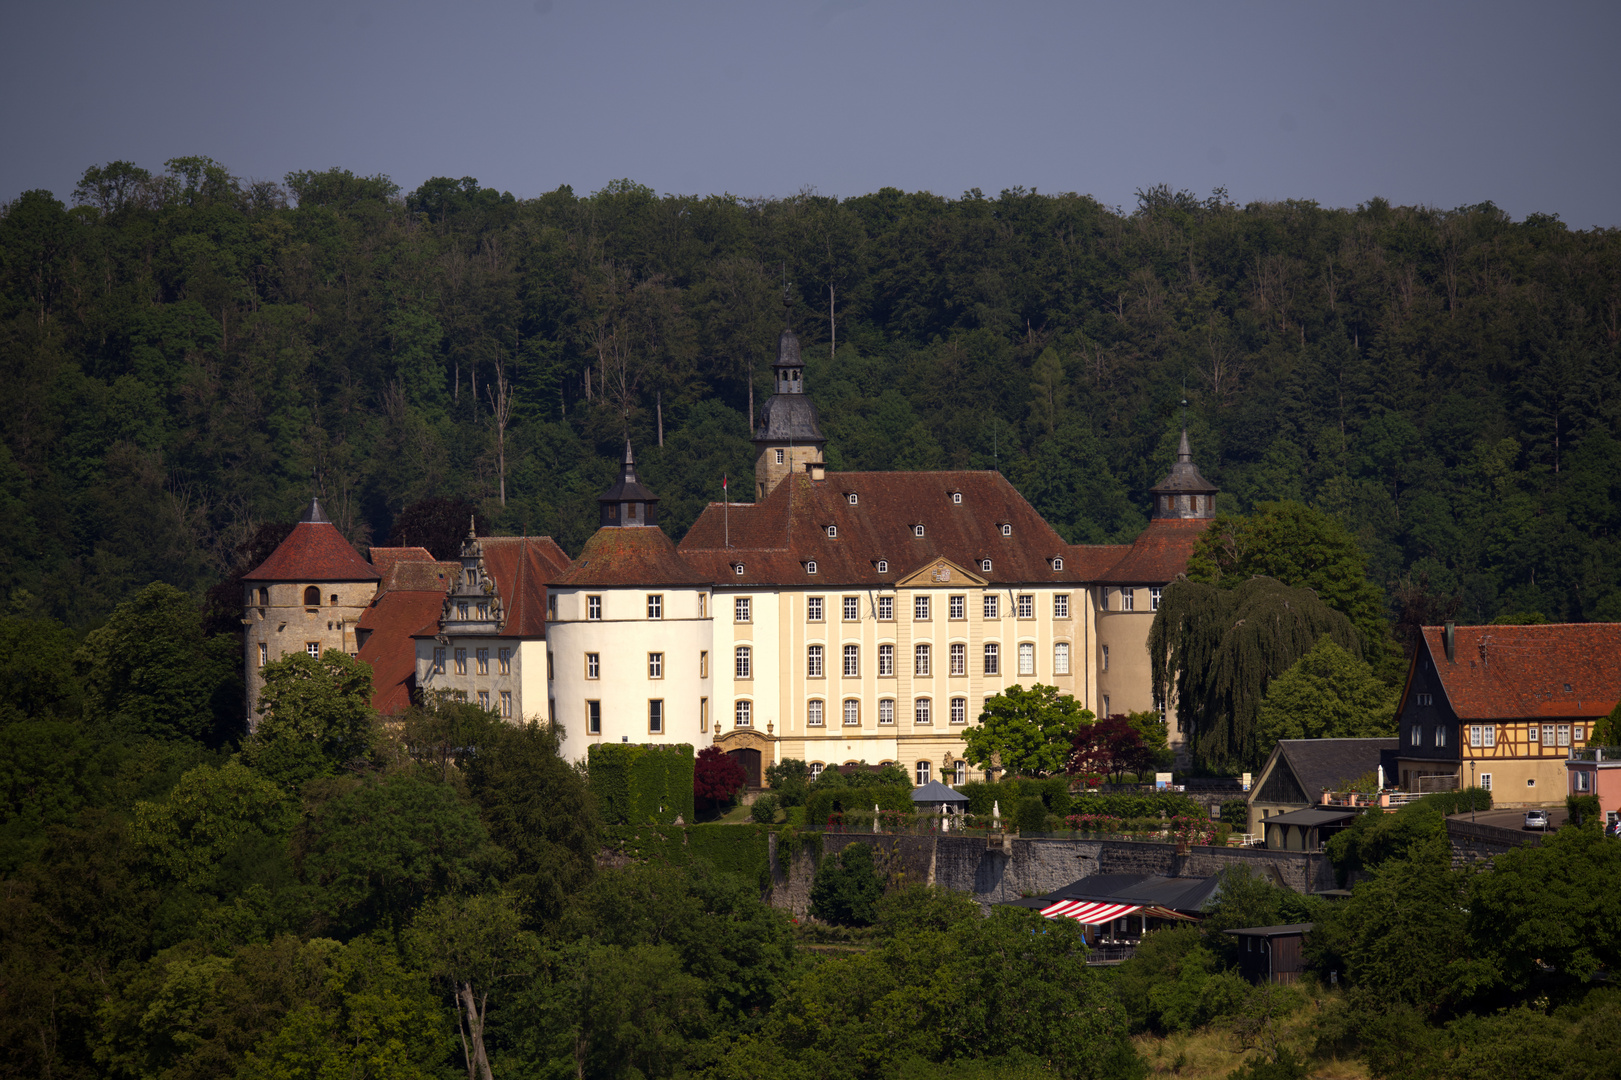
column 408, row 602
column 314, row 551
column 522, row 566
column 1159, row 553
column 776, row 538
column 1520, row 672
column 631, row 555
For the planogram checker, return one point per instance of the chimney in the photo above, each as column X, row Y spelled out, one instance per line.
column 1449, row 634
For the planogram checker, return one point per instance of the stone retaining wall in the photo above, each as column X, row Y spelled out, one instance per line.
column 1475, row 843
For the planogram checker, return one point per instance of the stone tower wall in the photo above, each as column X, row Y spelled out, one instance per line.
column 285, row 624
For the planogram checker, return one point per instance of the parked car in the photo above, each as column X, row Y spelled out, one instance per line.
column 1536, row 819
column 1614, row 828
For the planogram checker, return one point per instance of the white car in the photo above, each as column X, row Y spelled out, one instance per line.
column 1536, row 819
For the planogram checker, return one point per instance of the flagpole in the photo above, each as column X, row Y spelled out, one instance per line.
column 726, row 512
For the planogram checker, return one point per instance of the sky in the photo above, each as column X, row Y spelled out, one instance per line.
column 1436, row 104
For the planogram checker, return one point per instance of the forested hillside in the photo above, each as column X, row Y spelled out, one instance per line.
column 188, row 355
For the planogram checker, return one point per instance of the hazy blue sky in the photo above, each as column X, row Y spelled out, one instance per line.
column 1435, row 103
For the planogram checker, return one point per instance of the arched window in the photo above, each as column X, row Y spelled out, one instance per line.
column 883, row 566
column 984, row 566
column 917, row 530
column 1058, row 564
column 312, row 597
column 1007, row 530
column 334, row 600
column 832, row 532
column 956, row 498
column 739, row 569
column 810, row 566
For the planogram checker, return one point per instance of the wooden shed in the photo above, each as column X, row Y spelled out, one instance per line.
column 1272, row 953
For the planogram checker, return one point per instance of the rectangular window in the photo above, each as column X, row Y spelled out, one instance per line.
column 314, row 649
column 852, row 608
column 1489, row 733
column 1061, row 658
column 438, row 661
column 1474, row 734
column 593, row 718
column 655, row 716
column 1061, row 606
column 991, row 606
column 551, row 607
column 461, row 610
column 961, row 771
column 813, row 608
column 813, row 713
column 959, row 710
column 550, row 673
column 920, row 608
column 1579, row 733
column 1534, row 732
column 1440, row 735
column 703, row 663
column 744, row 714
column 741, row 609
column 472, row 576
column 1103, row 658
column 744, row 666
column 920, row 660
column 993, row 658
column 1564, row 734
column 813, row 662
column 1027, row 606
column 483, row 657
column 1153, row 598
column 484, row 611
column 1103, row 599
column 920, row 711
column 264, row 653
column 484, row 700
column 1128, row 599
column 886, row 608
column 503, row 661
column 779, row 457
column 886, row 661
column 1106, row 711
column 1584, row 780
column 1547, row 734
column 593, row 665
column 959, row 659
column 1027, row 658
column 852, row 712
column 506, row 704
column 922, row 773
column 703, row 714
column 1417, row 733
column 958, row 606
column 886, row 711
column 655, row 665
column 655, row 606
column 461, row 661
column 852, row 661
column 593, row 607
column 703, row 605
column 1486, row 781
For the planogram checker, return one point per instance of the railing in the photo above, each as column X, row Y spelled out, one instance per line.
column 1110, row 954
column 1596, row 753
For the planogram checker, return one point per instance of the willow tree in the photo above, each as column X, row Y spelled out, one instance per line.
column 1213, row 651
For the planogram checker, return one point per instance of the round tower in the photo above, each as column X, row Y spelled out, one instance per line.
column 1184, row 493
column 788, row 437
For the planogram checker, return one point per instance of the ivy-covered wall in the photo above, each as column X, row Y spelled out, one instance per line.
column 730, row 849
column 637, row 784
column 1055, row 796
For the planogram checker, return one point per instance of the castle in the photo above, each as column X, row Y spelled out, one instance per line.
column 840, row 617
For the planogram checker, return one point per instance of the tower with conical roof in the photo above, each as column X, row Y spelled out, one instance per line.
column 307, row 597
column 629, row 501
column 788, row 438
column 1184, row 493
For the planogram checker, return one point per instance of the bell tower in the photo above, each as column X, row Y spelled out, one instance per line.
column 1184, row 493
column 788, row 438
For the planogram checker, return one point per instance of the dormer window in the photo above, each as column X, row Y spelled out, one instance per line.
column 810, row 566
column 956, row 498
column 1058, row 563
column 883, row 566
column 832, row 532
column 917, row 530
column 737, row 568
column 850, row 495
column 984, row 566
column 1005, row 529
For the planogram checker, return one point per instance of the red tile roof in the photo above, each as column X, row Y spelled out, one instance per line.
column 385, row 559
column 314, row 551
column 392, row 620
column 776, row 538
column 522, row 567
column 631, row 555
column 1159, row 553
column 1514, row 672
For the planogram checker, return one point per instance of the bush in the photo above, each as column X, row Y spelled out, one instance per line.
column 824, row 803
column 764, row 810
column 1235, row 812
column 1584, row 810
column 847, row 887
column 641, row 785
column 789, row 780
column 1032, row 814
column 1458, row 802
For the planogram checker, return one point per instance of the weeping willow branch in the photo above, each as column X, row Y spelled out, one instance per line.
column 1214, row 650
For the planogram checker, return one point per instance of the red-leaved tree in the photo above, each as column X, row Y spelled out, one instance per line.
column 715, row 778
column 1109, row 746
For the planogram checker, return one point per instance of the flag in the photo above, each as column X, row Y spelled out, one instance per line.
column 723, row 481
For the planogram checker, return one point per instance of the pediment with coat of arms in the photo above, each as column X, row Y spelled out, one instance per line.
column 939, row 573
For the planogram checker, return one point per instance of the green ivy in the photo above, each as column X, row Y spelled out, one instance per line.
column 823, row 804
column 637, row 784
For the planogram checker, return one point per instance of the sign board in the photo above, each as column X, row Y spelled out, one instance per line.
column 1162, row 781
column 1246, row 781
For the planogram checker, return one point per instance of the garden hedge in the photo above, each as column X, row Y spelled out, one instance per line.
column 820, row 805
column 1055, row 795
column 638, row 784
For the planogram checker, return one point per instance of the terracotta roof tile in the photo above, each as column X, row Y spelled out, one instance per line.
column 314, row 551
column 1159, row 553
column 522, row 567
column 631, row 555
column 776, row 538
column 1514, row 672
column 392, row 620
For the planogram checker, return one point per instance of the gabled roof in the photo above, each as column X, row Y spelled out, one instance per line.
column 1515, row 672
column 775, row 539
column 1159, row 553
column 314, row 551
column 522, row 566
column 1321, row 765
column 393, row 620
column 630, row 555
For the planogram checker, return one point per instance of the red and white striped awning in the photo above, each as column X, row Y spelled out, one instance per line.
column 1090, row 912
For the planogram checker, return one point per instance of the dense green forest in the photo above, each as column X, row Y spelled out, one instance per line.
column 190, row 355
